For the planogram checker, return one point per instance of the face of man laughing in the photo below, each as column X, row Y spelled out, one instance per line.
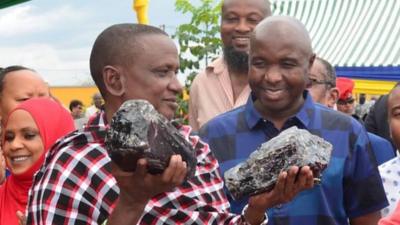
column 280, row 60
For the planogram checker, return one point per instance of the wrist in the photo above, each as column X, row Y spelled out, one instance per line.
column 130, row 202
column 254, row 216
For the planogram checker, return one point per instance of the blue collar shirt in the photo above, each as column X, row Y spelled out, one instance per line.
column 351, row 185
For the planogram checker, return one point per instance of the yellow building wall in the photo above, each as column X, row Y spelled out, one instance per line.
column 66, row 94
column 373, row 87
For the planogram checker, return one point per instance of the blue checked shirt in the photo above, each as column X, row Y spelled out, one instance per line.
column 351, row 185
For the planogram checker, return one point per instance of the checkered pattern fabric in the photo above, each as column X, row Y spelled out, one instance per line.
column 75, row 186
column 351, row 185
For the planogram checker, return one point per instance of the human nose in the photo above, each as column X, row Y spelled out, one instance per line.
column 243, row 26
column 273, row 75
column 175, row 85
column 14, row 145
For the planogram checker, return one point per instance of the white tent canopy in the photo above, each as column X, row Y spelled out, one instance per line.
column 349, row 32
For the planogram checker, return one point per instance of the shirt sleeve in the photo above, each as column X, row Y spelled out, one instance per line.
column 363, row 189
column 75, row 186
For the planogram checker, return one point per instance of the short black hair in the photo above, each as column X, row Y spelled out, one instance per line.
column 330, row 71
column 74, row 103
column 114, row 46
column 5, row 71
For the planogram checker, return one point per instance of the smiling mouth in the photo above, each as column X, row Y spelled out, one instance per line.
column 241, row 40
column 273, row 93
column 19, row 159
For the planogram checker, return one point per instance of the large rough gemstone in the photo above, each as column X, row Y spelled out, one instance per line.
column 292, row 147
column 137, row 131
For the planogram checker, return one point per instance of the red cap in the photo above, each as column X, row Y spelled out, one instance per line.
column 345, row 86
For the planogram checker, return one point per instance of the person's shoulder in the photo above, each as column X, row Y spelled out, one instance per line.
column 227, row 117
column 225, row 122
column 215, row 66
column 334, row 118
column 84, row 143
column 380, row 140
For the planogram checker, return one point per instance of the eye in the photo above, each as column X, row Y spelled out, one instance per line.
column 162, row 72
column 253, row 20
column 29, row 135
column 231, row 19
column 396, row 113
column 287, row 64
column 22, row 99
column 9, row 136
column 258, row 63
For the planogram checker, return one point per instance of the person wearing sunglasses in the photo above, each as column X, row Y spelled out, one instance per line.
column 345, row 103
column 323, row 90
column 322, row 83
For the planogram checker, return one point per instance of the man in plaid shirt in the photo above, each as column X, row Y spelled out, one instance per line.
column 78, row 183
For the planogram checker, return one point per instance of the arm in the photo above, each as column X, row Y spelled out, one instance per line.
column 392, row 219
column 193, row 113
column 368, row 219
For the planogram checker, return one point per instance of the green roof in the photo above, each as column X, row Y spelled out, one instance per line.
column 7, row 3
column 349, row 32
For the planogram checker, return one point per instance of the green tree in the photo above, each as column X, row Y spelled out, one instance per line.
column 199, row 42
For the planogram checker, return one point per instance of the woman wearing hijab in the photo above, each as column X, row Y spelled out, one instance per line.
column 29, row 132
column 17, row 84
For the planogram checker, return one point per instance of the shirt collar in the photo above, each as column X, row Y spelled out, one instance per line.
column 304, row 115
column 217, row 66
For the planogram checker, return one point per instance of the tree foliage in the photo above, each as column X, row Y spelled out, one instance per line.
column 199, row 42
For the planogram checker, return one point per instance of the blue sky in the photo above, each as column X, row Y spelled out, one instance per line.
column 55, row 36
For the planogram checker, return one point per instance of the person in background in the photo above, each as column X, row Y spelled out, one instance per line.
column 281, row 57
column 322, row 83
column 376, row 120
column 18, row 84
column 345, row 103
column 390, row 171
column 29, row 132
column 97, row 104
column 76, row 108
column 323, row 90
column 363, row 107
column 139, row 197
column 223, row 85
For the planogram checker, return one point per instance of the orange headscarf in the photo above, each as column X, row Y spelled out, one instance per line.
column 53, row 122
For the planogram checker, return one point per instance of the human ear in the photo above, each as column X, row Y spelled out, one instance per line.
column 333, row 96
column 311, row 61
column 113, row 81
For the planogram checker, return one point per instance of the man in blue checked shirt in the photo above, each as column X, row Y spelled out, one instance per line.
column 281, row 56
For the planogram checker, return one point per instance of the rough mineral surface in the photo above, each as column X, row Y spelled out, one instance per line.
column 137, row 131
column 292, row 147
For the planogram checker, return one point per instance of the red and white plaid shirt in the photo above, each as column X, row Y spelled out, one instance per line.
column 75, row 186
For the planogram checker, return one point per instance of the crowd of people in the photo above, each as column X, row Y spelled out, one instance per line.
column 268, row 79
